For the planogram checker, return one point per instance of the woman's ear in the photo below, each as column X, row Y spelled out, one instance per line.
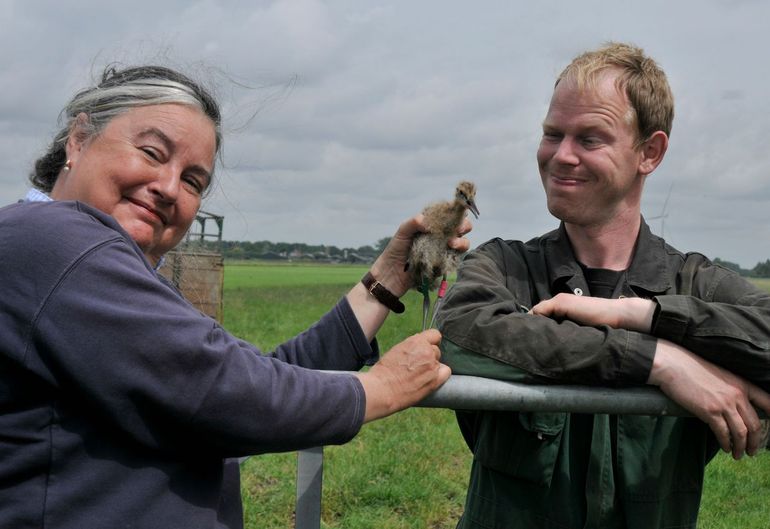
column 80, row 131
column 652, row 152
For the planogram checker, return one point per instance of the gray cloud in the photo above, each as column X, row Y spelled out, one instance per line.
column 345, row 117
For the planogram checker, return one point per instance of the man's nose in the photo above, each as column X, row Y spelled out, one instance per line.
column 566, row 153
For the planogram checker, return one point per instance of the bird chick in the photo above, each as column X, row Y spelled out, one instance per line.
column 430, row 259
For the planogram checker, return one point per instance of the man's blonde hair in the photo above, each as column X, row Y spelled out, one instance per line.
column 640, row 78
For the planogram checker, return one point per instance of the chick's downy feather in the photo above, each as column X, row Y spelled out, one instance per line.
column 430, row 258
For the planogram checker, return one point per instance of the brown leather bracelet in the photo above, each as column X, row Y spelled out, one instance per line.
column 382, row 294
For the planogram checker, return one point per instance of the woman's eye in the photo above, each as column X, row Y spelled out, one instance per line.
column 194, row 183
column 151, row 152
column 156, row 153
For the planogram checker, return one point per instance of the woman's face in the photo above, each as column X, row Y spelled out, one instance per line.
column 148, row 168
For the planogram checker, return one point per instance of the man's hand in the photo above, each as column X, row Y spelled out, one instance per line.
column 404, row 376
column 721, row 399
column 716, row 396
column 634, row 314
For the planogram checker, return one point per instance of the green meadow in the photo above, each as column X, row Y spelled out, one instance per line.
column 409, row 470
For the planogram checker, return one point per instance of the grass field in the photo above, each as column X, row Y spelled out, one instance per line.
column 409, row 470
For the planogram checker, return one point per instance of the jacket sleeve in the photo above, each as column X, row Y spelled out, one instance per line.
column 720, row 316
column 485, row 313
column 121, row 345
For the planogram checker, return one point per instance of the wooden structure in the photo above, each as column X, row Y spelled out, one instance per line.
column 197, row 269
column 199, row 276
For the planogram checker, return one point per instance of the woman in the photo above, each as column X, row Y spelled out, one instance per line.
column 120, row 401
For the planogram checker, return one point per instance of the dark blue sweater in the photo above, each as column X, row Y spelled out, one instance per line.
column 119, row 402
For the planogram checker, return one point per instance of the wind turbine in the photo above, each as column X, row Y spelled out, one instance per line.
column 663, row 213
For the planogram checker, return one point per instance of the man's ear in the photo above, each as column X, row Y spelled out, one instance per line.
column 80, row 131
column 652, row 152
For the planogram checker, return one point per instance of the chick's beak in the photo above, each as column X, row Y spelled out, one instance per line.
column 472, row 207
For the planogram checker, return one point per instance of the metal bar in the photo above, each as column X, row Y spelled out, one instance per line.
column 310, row 467
column 462, row 392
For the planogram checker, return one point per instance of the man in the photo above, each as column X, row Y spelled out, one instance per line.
column 602, row 301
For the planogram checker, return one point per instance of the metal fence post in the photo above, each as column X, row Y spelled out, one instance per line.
column 310, row 467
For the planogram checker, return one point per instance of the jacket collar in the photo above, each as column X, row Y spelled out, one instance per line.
column 648, row 270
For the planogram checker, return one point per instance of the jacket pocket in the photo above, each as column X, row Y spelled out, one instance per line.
column 662, row 458
column 522, row 445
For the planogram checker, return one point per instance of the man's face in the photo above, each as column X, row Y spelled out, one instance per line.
column 588, row 163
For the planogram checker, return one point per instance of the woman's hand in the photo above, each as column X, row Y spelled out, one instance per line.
column 404, row 376
column 389, row 268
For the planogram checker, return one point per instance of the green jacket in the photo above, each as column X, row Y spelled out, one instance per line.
column 558, row 470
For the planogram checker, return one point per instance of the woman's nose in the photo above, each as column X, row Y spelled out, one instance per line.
column 166, row 185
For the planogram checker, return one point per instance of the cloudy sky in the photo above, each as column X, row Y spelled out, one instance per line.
column 345, row 117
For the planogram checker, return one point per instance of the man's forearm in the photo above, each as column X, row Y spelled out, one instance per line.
column 718, row 397
column 633, row 314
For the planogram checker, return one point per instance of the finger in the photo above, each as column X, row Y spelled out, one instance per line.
column 410, row 227
column 754, row 439
column 418, row 224
column 760, row 398
column 543, row 308
column 459, row 244
column 432, row 335
column 754, row 435
column 721, row 431
column 738, row 433
column 444, row 372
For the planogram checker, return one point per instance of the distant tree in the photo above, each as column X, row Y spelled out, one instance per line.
column 761, row 270
column 366, row 251
column 281, row 250
column 732, row 266
column 382, row 243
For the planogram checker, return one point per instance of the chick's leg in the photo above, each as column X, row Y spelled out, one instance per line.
column 439, row 299
column 424, row 288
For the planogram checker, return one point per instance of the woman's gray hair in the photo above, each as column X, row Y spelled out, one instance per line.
column 118, row 92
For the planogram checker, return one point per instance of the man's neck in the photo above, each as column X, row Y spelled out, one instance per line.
column 610, row 245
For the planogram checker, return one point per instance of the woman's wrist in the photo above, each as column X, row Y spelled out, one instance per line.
column 369, row 312
column 381, row 293
column 391, row 274
column 370, row 302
